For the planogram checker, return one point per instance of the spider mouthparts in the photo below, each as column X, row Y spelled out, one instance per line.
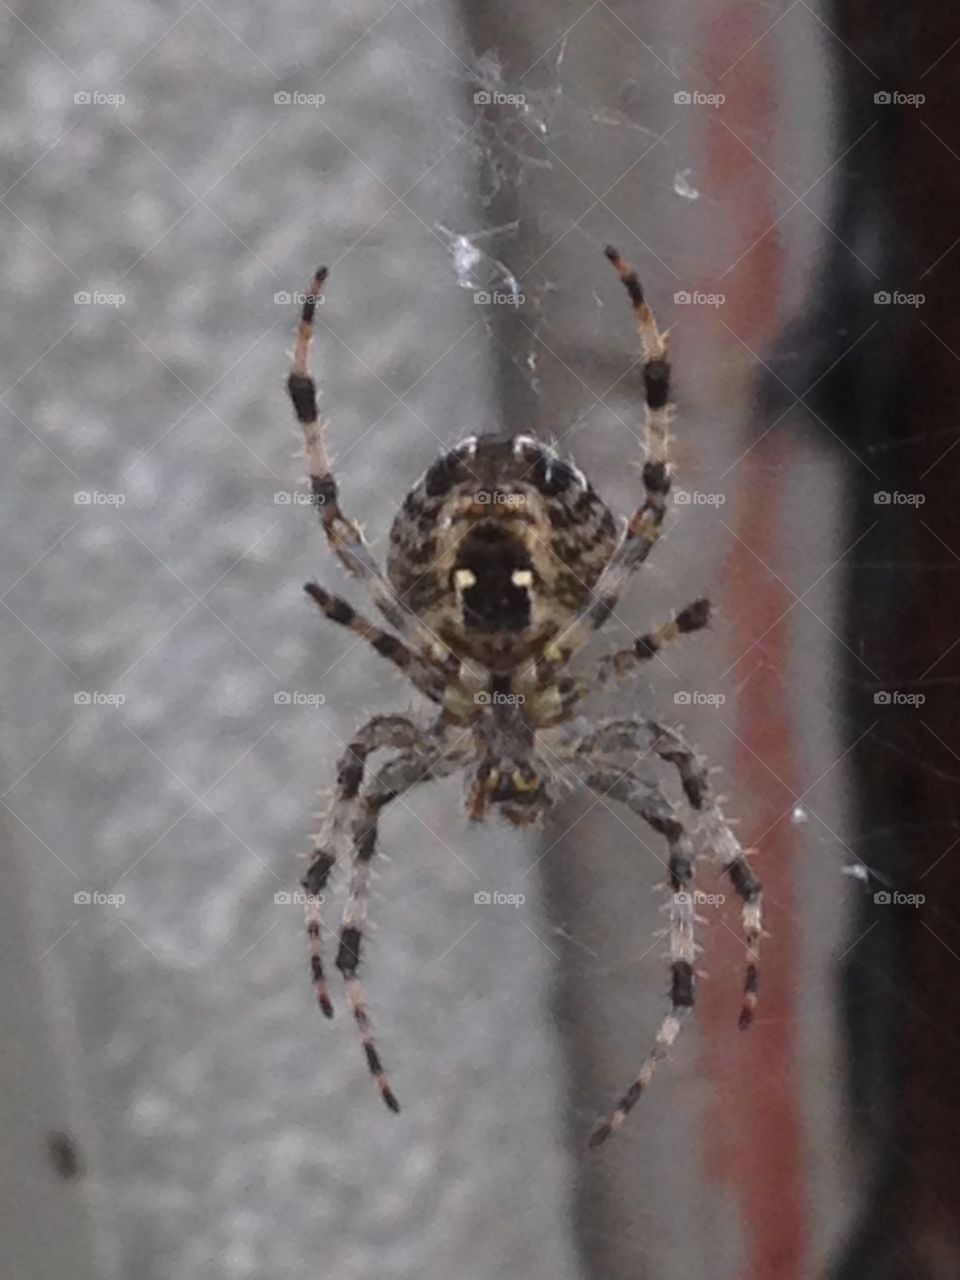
column 322, row 273
column 612, row 253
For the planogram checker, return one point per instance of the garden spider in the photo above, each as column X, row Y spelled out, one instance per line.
column 502, row 562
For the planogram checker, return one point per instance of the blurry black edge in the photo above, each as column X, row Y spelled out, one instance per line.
column 895, row 207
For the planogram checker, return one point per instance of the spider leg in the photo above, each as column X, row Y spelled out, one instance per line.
column 625, row 661
column 563, row 695
column 643, row 528
column 726, row 848
column 647, row 800
column 379, row 732
column 343, row 534
column 430, row 680
column 398, row 775
column 617, row 737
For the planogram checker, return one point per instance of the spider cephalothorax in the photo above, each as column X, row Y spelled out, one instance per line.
column 503, row 561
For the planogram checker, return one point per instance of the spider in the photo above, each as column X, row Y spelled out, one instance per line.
column 502, row 562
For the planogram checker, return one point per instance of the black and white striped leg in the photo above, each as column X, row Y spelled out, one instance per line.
column 352, row 932
column 623, row 663
column 643, row 527
column 337, row 825
column 322, row 862
column 428, row 679
column 343, row 534
column 646, row 800
column 725, row 847
column 393, row 779
column 622, row 739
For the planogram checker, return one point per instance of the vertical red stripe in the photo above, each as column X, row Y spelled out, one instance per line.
column 754, row 1132
column 753, row 1123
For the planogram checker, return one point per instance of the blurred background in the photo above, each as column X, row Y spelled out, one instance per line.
column 783, row 176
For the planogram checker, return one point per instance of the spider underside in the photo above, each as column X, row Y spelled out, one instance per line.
column 503, row 561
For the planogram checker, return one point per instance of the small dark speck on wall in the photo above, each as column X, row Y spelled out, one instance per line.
column 64, row 1155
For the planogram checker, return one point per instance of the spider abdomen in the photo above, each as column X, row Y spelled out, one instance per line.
column 497, row 548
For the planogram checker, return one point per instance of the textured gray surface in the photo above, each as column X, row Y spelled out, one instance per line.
column 231, row 1132
column 238, row 1134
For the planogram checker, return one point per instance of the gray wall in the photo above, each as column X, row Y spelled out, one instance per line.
column 226, row 1130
